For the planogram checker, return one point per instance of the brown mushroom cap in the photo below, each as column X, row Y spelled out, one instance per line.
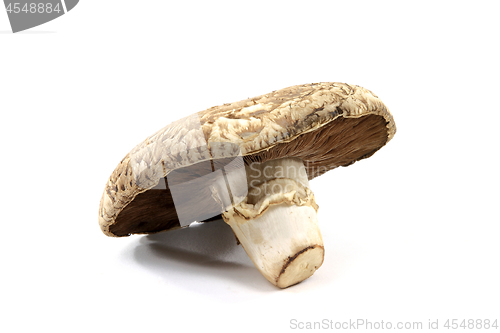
column 327, row 125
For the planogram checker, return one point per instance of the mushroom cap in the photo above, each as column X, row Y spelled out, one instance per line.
column 327, row 125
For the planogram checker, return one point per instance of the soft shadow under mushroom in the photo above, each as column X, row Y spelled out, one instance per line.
column 201, row 257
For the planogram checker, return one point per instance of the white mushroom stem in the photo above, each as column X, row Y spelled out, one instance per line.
column 276, row 223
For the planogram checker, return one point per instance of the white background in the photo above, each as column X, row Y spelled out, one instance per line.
column 411, row 234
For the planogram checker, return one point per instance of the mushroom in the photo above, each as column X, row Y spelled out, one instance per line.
column 249, row 162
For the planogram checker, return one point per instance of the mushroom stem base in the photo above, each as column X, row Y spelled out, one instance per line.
column 279, row 231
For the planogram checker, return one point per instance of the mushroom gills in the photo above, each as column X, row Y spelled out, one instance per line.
column 276, row 223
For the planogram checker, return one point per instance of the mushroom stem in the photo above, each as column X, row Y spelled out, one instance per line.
column 276, row 223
